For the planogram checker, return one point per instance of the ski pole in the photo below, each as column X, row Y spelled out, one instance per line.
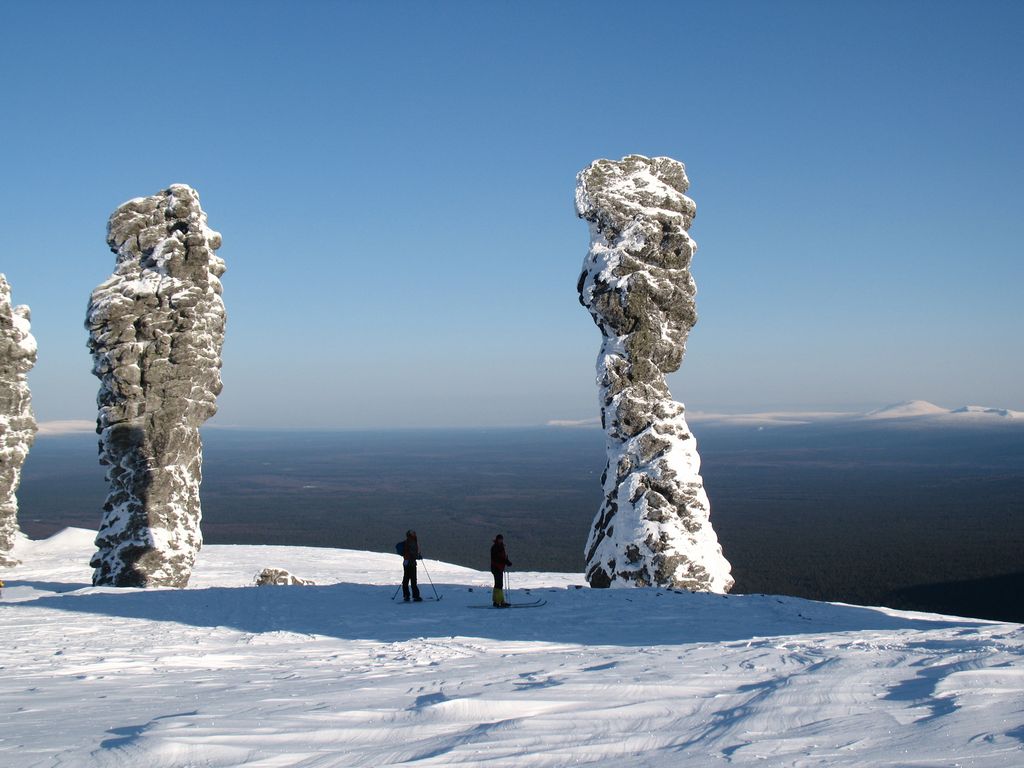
column 436, row 596
column 396, row 592
column 508, row 588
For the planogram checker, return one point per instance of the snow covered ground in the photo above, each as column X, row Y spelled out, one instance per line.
column 226, row 674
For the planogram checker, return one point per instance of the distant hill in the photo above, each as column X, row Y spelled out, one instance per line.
column 910, row 409
column 916, row 409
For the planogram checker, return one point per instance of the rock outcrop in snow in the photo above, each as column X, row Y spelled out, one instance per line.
column 156, row 328
column 653, row 527
column 279, row 577
column 17, row 424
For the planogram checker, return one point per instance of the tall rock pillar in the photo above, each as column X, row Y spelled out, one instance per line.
column 653, row 527
column 17, row 424
column 156, row 328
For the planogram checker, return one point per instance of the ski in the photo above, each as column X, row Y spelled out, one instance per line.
column 537, row 601
column 424, row 600
column 535, row 604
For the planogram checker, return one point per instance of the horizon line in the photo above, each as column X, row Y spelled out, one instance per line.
column 912, row 410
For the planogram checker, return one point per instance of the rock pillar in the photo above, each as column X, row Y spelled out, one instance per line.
column 17, row 424
column 156, row 328
column 653, row 527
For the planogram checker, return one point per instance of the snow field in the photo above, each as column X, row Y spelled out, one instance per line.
column 222, row 674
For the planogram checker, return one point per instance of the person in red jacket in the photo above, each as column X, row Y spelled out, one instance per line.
column 499, row 561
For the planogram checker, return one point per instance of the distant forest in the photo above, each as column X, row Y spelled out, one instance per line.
column 928, row 518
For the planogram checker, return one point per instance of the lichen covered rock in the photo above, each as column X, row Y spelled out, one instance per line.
column 17, row 423
column 653, row 527
column 156, row 328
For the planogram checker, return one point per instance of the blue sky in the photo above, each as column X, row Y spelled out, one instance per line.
column 394, row 184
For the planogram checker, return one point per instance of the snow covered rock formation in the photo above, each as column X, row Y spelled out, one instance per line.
column 653, row 527
column 17, row 424
column 156, row 328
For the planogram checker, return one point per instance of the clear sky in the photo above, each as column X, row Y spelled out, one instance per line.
column 394, row 184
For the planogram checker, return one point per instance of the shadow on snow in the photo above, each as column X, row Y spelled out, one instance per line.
column 617, row 617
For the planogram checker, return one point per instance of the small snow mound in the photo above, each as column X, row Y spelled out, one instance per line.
column 907, row 409
column 66, row 541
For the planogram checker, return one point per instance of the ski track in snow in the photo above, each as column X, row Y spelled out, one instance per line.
column 221, row 674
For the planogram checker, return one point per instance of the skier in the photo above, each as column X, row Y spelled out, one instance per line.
column 410, row 552
column 499, row 560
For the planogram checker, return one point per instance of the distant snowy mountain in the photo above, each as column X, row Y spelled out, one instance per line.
column 592, row 422
column 768, row 418
column 917, row 409
column 911, row 409
column 225, row 674
column 67, row 427
column 980, row 410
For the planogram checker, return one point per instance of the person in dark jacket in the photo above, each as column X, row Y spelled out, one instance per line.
column 499, row 561
column 410, row 554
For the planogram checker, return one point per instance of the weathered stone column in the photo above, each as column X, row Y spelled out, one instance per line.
column 653, row 527
column 156, row 328
column 17, row 424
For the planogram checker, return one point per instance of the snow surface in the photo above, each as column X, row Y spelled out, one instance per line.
column 225, row 674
